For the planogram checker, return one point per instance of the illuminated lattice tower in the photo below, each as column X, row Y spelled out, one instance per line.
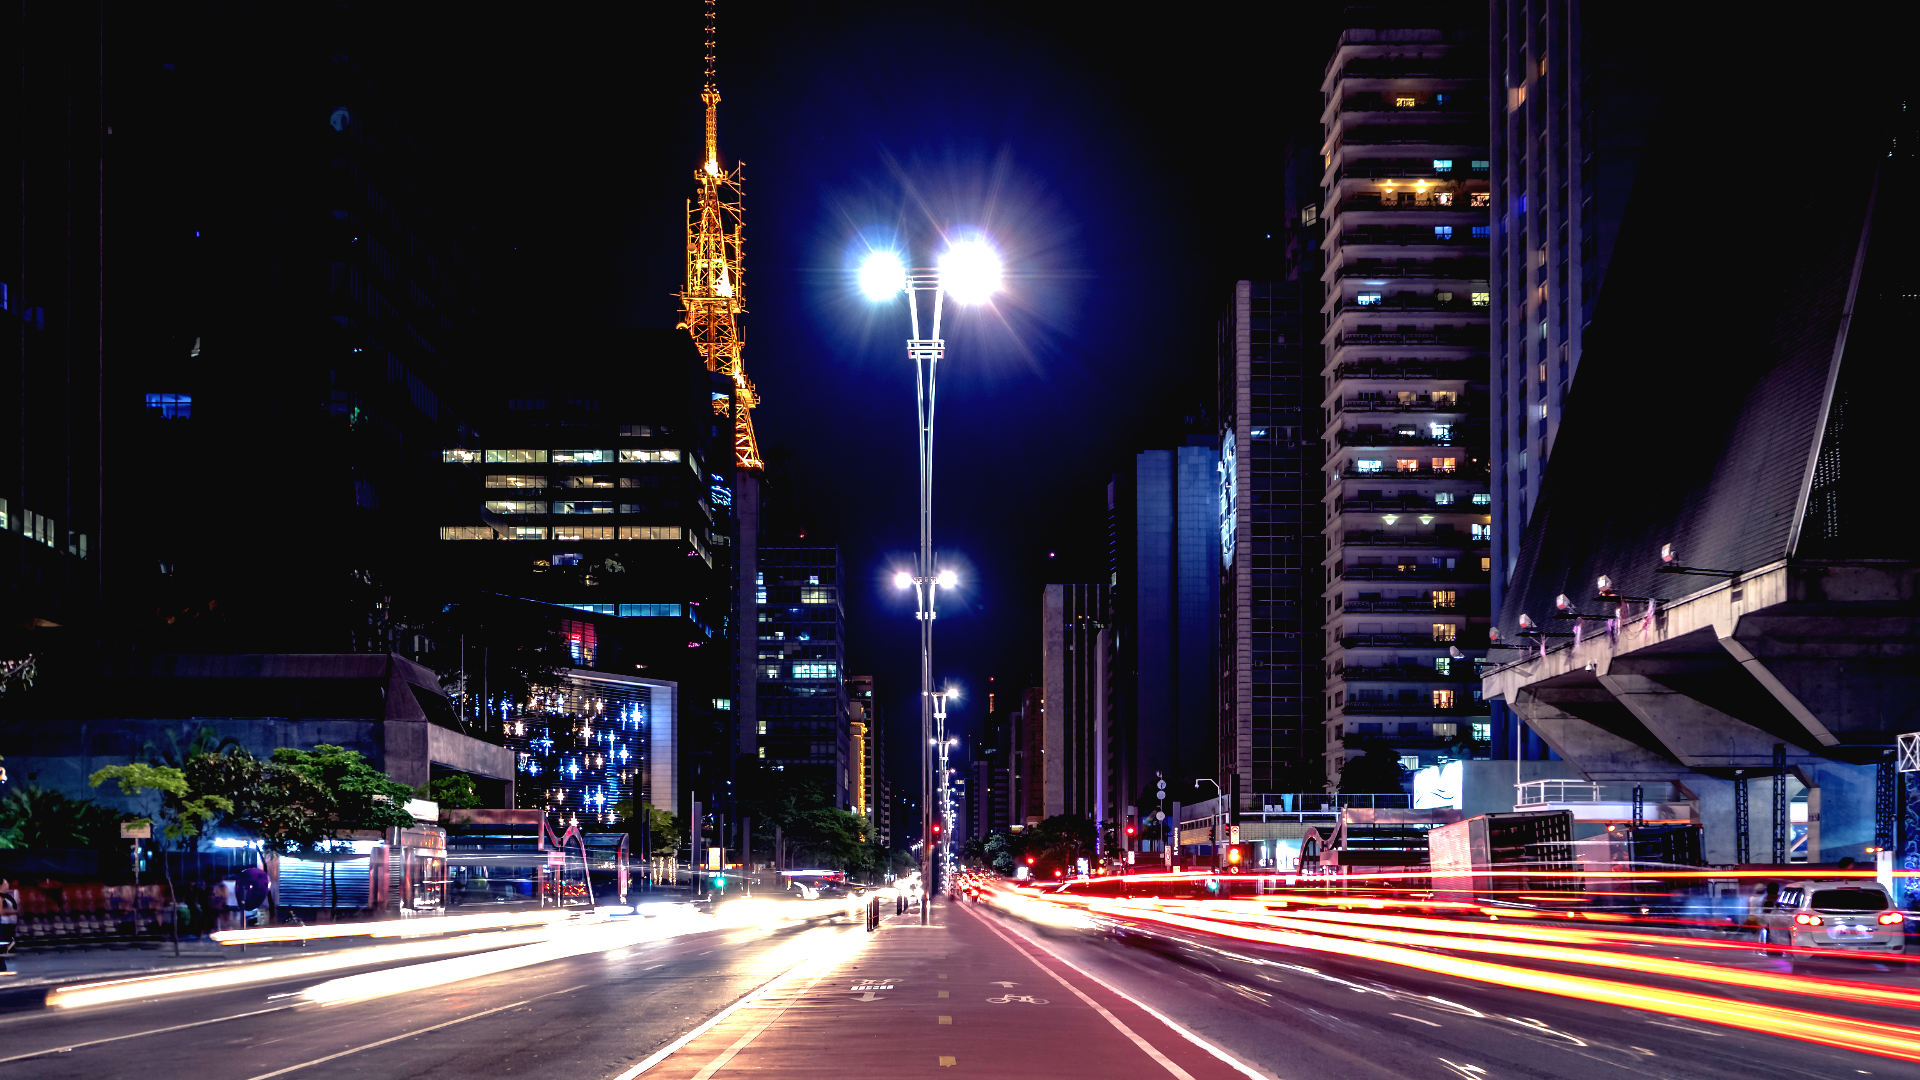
column 712, row 302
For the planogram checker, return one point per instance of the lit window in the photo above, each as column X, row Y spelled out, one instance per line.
column 1443, row 598
column 649, row 455
column 580, row 507
column 517, row 455
column 1309, row 214
column 1443, row 232
column 1443, row 498
column 1445, row 632
column 528, row 532
column 1403, row 102
column 1446, row 397
column 1482, row 498
column 1543, row 410
column 1482, row 232
column 1442, row 432
column 813, row 579
column 456, row 457
column 465, row 532
column 583, row 532
column 1441, row 164
column 582, row 457
column 1409, row 762
column 1482, row 532
column 1442, row 699
column 633, row 431
column 1443, row 464
column 1368, row 466
column 1445, row 731
column 816, row 594
column 819, row 669
column 1483, row 732
column 498, row 481
column 1406, row 465
column 655, row 611
column 1479, row 165
column 1444, row 198
column 650, row 532
column 170, row 406
column 1480, row 200
column 1486, row 563
column 516, row 506
column 1443, row 665
column 1367, row 299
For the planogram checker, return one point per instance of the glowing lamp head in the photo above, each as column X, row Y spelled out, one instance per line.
column 948, row 579
column 1606, row 585
column 902, row 579
column 882, row 276
column 1526, row 623
column 1562, row 602
column 1666, row 553
column 970, row 272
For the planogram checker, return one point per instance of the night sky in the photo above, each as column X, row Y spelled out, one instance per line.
column 1127, row 169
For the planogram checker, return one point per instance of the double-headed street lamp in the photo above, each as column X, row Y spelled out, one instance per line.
column 969, row 271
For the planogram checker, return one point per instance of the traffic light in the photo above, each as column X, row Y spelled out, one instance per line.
column 718, row 883
column 1236, row 855
column 936, row 828
column 1029, row 860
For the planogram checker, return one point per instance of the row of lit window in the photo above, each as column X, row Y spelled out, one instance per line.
column 1442, row 632
column 1480, row 299
column 563, row 532
column 41, row 529
column 1406, row 465
column 498, row 480
column 558, row 457
column 525, row 506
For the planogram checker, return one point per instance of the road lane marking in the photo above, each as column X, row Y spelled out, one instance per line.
column 138, row 1034
column 1228, row 1059
column 411, row 1034
column 1415, row 1019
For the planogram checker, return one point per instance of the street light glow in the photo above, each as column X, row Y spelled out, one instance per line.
column 882, row 276
column 948, row 579
column 970, row 272
column 902, row 579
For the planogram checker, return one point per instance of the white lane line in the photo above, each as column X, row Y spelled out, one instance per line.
column 668, row 1050
column 1148, row 1048
column 138, row 1034
column 410, row 1034
column 1415, row 1019
column 1228, row 1059
column 706, row 1072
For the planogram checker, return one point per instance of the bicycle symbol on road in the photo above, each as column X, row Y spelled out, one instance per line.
column 1005, row 998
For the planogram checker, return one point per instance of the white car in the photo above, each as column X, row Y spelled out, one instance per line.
column 1834, row 917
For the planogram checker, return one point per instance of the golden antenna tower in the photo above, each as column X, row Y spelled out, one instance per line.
column 711, row 304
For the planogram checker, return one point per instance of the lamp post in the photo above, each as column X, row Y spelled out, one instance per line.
column 969, row 271
column 943, row 745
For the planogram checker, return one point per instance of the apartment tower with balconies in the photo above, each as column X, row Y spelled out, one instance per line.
column 1404, row 319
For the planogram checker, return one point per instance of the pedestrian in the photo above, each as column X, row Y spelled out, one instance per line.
column 9, row 920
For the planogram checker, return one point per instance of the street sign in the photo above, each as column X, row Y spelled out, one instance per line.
column 141, row 831
column 1910, row 752
column 1159, row 815
column 1233, row 834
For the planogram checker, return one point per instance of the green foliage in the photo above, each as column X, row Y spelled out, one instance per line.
column 35, row 817
column 1002, row 852
column 231, row 773
column 187, row 812
column 311, row 798
column 455, row 791
column 1377, row 771
column 666, row 832
column 814, row 828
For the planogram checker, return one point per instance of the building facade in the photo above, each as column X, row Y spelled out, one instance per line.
column 803, row 704
column 1173, row 589
column 1404, row 343
column 591, row 742
column 1572, row 101
column 1074, row 648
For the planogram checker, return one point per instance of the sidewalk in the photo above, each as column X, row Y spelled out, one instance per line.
column 968, row 995
column 51, row 966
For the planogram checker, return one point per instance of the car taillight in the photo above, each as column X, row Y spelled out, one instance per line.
column 1805, row 919
column 1891, row 918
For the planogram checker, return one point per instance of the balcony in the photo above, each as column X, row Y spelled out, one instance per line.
column 1405, row 606
column 1410, row 169
column 1374, row 101
column 1350, row 437
column 1414, row 640
column 1662, row 802
column 1468, row 338
column 1373, row 202
column 1403, row 236
column 1462, row 305
column 1450, row 538
column 1417, row 709
column 1408, row 369
column 1438, row 269
column 1409, row 403
column 1413, row 573
column 1461, row 672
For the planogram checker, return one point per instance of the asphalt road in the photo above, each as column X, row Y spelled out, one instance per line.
column 1309, row 1016
column 588, row 1016
column 1290, row 1015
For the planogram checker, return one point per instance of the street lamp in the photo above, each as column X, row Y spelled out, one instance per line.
column 969, row 271
column 944, row 744
column 1219, row 797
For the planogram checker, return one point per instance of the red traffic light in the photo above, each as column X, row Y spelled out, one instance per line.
column 1233, row 854
column 936, row 828
column 1029, row 860
column 1129, row 830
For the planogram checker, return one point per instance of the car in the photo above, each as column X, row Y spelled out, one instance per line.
column 1836, row 917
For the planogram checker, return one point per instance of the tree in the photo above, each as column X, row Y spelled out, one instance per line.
column 1377, row 771
column 35, row 817
column 1058, row 842
column 310, row 800
column 455, row 791
column 651, row 830
column 1002, row 851
column 186, row 811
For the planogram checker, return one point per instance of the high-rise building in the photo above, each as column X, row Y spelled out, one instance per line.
column 1404, row 335
column 800, row 665
column 1028, row 729
column 1267, row 542
column 1573, row 102
column 863, row 736
column 1170, row 592
column 1074, row 655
